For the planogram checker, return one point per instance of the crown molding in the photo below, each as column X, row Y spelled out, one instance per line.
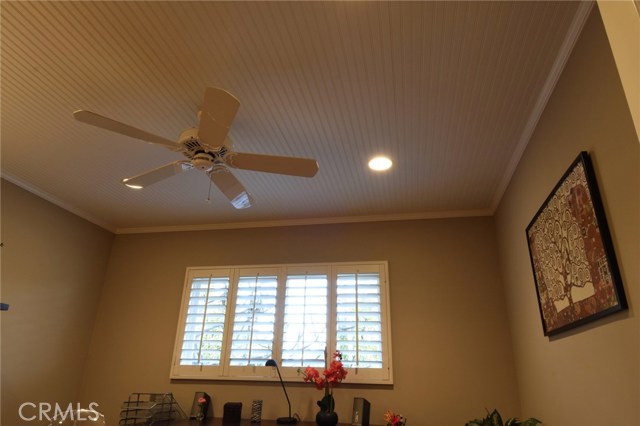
column 56, row 201
column 310, row 221
column 242, row 225
column 579, row 19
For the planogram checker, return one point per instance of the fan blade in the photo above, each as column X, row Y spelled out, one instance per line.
column 97, row 120
column 293, row 166
column 218, row 111
column 156, row 175
column 230, row 187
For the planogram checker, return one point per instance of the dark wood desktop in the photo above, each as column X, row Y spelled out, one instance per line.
column 218, row 422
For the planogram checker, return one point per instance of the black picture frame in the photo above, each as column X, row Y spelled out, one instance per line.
column 572, row 257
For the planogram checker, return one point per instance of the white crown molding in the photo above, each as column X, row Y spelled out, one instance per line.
column 54, row 200
column 310, row 221
column 564, row 53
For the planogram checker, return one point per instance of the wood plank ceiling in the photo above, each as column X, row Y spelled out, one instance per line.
column 449, row 90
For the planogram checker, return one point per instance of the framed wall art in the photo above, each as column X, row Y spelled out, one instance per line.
column 574, row 266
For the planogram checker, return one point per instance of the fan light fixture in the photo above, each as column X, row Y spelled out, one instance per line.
column 380, row 163
column 130, row 185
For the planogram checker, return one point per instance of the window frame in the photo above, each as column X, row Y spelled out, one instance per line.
column 225, row 371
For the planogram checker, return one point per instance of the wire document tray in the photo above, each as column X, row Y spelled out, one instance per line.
column 148, row 408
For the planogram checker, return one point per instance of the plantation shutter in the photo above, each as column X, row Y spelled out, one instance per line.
column 201, row 333
column 359, row 319
column 304, row 336
column 204, row 326
column 254, row 319
column 234, row 319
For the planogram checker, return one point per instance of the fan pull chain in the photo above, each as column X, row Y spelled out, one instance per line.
column 208, row 200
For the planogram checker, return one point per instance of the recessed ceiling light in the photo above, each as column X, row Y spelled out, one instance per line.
column 380, row 163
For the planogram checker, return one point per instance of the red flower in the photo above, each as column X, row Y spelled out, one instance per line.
column 311, row 375
column 393, row 419
column 330, row 377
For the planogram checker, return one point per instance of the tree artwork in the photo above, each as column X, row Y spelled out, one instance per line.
column 576, row 276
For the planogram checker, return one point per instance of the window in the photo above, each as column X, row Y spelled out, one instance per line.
column 233, row 319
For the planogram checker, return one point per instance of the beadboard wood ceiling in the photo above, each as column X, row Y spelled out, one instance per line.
column 450, row 91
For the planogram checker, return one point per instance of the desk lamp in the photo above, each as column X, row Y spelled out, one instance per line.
column 282, row 420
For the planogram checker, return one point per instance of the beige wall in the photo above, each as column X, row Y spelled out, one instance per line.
column 53, row 266
column 622, row 22
column 451, row 348
column 588, row 376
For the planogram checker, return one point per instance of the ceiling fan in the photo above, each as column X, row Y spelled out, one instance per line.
column 207, row 148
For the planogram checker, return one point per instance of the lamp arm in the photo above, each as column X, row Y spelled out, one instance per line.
column 282, row 420
column 284, row 389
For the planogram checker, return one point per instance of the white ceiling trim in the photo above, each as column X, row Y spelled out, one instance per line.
column 311, row 221
column 56, row 201
column 554, row 75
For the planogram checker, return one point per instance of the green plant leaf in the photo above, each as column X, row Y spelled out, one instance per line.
column 496, row 419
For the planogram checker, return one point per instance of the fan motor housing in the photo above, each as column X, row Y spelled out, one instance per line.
column 202, row 161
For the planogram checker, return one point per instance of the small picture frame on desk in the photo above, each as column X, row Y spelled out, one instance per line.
column 232, row 414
